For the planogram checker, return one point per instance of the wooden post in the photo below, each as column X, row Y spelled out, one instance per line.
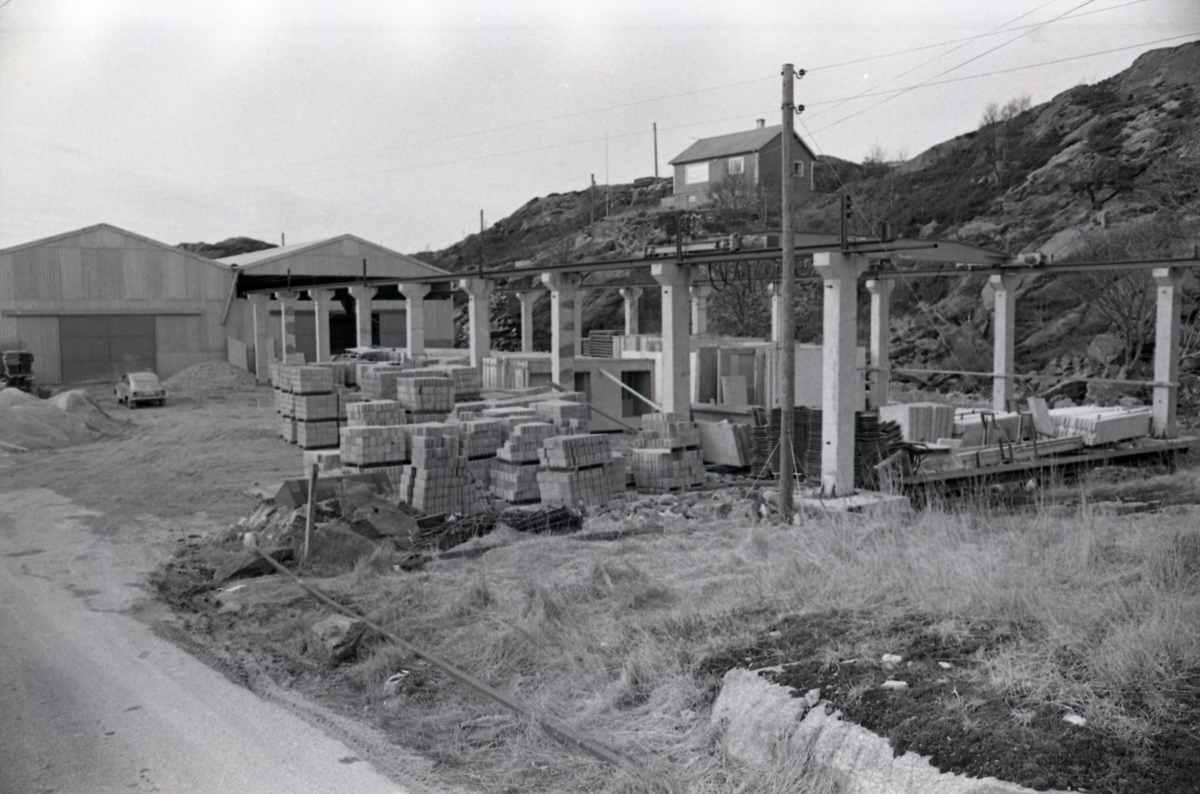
column 787, row 286
column 312, row 512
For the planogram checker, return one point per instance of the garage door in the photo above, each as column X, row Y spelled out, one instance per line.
column 103, row 347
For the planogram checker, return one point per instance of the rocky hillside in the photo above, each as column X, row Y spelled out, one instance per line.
column 1104, row 171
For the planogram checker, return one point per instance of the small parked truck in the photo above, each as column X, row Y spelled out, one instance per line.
column 16, row 370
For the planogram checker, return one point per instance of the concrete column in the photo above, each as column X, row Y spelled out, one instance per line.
column 527, row 299
column 479, row 327
column 633, row 300
column 881, row 374
column 565, row 301
column 1168, row 281
column 1004, row 329
column 414, row 316
column 675, row 375
column 362, row 309
column 261, row 303
column 776, row 313
column 321, row 299
column 700, row 293
column 840, row 273
column 287, row 314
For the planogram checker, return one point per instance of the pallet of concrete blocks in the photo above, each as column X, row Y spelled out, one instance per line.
column 667, row 469
column 425, row 394
column 344, row 398
column 524, row 442
column 285, row 403
column 564, row 413
column 468, row 382
column 378, row 381
column 326, row 460
column 437, row 480
column 373, row 446
column 481, row 437
column 317, row 435
column 668, row 431
column 576, row 489
column 920, row 421
column 287, row 428
column 575, row 452
column 314, row 407
column 375, row 413
column 1100, row 426
column 306, row 379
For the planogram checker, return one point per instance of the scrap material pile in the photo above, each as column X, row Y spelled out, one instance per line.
column 875, row 438
column 667, row 455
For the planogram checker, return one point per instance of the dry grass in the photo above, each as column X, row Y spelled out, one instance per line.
column 607, row 637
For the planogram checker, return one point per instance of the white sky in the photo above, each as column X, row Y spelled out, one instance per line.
column 400, row 120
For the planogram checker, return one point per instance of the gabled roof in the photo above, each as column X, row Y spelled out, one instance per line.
column 108, row 227
column 273, row 255
column 735, row 143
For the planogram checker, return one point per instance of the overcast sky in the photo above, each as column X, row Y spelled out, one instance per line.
column 399, row 120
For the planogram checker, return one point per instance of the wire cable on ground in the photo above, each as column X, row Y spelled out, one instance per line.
column 550, row 725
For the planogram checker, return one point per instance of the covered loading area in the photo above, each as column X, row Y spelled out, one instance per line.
column 320, row 298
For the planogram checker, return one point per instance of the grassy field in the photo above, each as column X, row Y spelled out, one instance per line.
column 1047, row 610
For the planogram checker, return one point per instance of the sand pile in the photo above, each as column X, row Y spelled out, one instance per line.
column 69, row 418
column 209, row 376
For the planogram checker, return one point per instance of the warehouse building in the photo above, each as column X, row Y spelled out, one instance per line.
column 94, row 303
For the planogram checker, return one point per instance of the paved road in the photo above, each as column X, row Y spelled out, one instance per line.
column 92, row 701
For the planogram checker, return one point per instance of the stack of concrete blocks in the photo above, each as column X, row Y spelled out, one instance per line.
column 922, row 422
column 437, row 480
column 425, row 398
column 977, row 427
column 308, row 406
column 1100, row 426
column 327, row 461
column 378, row 381
column 564, row 413
column 374, row 439
column 576, row 471
column 667, row 456
column 468, row 383
column 345, row 396
column 481, row 438
column 514, row 474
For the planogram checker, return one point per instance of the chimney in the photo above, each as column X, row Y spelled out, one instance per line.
column 760, row 124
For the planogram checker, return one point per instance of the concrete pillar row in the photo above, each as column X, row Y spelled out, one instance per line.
column 1169, row 287
column 881, row 368
column 414, row 316
column 675, row 376
column 287, row 316
column 528, row 300
column 261, row 304
column 566, row 304
column 322, row 299
column 840, row 274
column 362, row 311
column 479, row 329
column 633, row 300
column 1004, row 328
column 700, row 294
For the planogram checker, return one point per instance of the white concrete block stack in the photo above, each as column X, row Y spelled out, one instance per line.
column 563, row 413
column 480, row 438
column 326, row 460
column 307, row 405
column 514, row 475
column 1100, row 426
column 668, row 454
column 378, row 381
column 981, row 428
column 425, row 398
column 511, row 416
column 576, row 470
column 374, row 439
column 920, row 421
column 437, row 480
column 468, row 383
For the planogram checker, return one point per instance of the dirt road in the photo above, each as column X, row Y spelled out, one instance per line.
column 92, row 700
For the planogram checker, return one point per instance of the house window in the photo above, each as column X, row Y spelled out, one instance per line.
column 797, row 168
column 695, row 173
column 737, row 165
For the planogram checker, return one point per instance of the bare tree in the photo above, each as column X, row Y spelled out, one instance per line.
column 995, row 123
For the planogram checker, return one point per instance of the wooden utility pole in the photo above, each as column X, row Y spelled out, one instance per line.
column 787, row 322
column 656, row 150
